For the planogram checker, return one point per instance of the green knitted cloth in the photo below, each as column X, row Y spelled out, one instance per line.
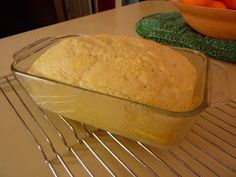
column 171, row 29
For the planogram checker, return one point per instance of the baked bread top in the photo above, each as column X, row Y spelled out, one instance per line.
column 127, row 67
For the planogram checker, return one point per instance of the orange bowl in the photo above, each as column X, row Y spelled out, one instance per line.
column 213, row 22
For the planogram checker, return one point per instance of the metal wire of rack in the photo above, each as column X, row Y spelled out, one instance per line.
column 73, row 149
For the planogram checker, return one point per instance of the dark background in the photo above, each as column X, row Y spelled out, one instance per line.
column 18, row 16
column 23, row 15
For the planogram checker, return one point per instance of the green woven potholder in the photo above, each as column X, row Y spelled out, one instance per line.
column 171, row 29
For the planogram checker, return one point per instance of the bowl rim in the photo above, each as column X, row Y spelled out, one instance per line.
column 205, row 8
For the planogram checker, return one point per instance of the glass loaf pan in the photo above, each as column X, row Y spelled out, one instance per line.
column 144, row 123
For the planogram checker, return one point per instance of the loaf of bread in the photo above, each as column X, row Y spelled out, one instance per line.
column 127, row 67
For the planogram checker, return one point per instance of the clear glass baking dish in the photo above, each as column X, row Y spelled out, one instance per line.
column 144, row 123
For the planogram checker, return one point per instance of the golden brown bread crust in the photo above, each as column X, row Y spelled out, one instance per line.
column 127, row 67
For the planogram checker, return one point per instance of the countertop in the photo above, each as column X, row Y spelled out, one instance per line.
column 17, row 155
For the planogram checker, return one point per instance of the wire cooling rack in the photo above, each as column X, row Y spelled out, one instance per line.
column 73, row 149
